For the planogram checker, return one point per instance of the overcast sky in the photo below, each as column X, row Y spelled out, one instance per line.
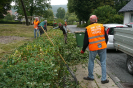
column 59, row 2
column 55, row 2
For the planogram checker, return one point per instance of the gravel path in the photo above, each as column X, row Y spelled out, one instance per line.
column 9, row 39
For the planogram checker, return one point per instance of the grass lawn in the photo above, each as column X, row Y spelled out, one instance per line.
column 13, row 36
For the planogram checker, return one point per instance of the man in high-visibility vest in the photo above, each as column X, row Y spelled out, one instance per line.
column 96, row 39
column 36, row 29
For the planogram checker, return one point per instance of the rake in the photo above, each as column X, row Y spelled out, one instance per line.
column 62, row 59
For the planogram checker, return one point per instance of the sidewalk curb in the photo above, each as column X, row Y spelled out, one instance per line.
column 115, row 79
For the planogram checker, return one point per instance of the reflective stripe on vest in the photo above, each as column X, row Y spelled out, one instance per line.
column 97, row 41
column 96, row 36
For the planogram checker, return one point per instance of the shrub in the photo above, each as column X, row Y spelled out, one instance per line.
column 10, row 22
column 117, row 19
column 50, row 23
column 60, row 20
column 9, row 17
column 38, row 64
column 32, row 65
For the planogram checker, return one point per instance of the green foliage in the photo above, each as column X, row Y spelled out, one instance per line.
column 67, row 15
column 37, row 64
column 104, row 2
column 75, row 23
column 60, row 20
column 117, row 19
column 60, row 13
column 30, row 65
column 83, row 8
column 71, row 52
column 49, row 14
column 32, row 7
column 50, row 23
column 105, row 14
column 119, row 4
column 72, row 18
column 70, row 6
column 55, row 7
column 19, row 18
column 10, row 22
column 4, row 7
column 9, row 17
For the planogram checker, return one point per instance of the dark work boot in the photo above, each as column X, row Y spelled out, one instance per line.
column 87, row 78
column 106, row 81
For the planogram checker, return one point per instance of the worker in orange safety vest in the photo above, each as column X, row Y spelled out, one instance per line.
column 36, row 29
column 96, row 39
column 65, row 23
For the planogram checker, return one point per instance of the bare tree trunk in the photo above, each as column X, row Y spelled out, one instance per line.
column 24, row 12
column 79, row 22
column 83, row 22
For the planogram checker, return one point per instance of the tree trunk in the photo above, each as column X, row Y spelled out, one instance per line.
column 31, row 9
column 79, row 22
column 24, row 12
column 83, row 22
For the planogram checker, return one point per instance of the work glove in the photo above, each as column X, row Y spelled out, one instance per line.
column 82, row 52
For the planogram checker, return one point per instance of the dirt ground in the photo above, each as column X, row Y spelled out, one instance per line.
column 9, row 39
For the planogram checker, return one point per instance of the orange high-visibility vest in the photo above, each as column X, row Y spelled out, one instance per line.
column 36, row 24
column 96, row 37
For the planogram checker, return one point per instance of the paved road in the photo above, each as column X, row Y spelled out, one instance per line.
column 74, row 28
column 116, row 64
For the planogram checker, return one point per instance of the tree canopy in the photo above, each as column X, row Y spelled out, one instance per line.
column 84, row 8
column 120, row 3
column 33, row 7
column 70, row 17
column 49, row 14
column 4, row 7
column 104, row 13
column 107, row 14
column 60, row 13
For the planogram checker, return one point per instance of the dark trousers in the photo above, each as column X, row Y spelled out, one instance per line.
column 65, row 38
column 41, row 30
